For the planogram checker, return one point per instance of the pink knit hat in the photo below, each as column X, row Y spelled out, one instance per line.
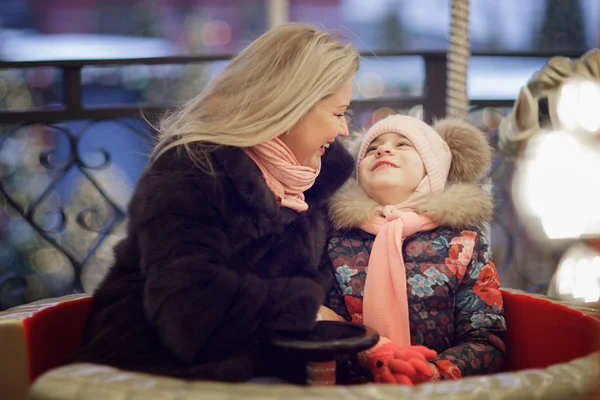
column 433, row 150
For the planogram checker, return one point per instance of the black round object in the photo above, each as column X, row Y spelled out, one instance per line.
column 327, row 340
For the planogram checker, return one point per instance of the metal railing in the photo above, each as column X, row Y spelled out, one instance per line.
column 14, row 279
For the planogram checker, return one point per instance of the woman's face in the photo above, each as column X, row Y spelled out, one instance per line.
column 391, row 170
column 312, row 135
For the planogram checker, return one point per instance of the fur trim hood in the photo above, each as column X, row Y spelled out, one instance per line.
column 463, row 204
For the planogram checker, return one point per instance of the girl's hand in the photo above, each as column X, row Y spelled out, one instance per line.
column 404, row 365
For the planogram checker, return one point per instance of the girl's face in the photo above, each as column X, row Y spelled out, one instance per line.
column 391, row 170
column 312, row 135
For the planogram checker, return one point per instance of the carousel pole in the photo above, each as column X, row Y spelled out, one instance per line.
column 457, row 100
column 279, row 11
column 457, row 67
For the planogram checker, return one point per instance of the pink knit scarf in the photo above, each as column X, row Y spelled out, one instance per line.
column 385, row 302
column 287, row 179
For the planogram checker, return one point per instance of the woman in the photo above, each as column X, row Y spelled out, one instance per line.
column 228, row 225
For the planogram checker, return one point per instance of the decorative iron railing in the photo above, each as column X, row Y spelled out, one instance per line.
column 61, row 210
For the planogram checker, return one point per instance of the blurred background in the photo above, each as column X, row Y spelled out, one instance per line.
column 74, row 75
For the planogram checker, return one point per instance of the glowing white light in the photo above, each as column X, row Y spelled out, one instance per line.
column 578, row 106
column 596, row 266
column 558, row 183
column 566, row 277
column 578, row 274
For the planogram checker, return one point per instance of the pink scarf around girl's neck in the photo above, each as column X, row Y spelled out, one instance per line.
column 287, row 179
column 385, row 302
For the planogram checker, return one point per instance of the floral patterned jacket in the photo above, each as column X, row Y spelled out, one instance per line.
column 455, row 304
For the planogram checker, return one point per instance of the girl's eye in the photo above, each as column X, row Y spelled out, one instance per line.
column 371, row 148
column 401, row 144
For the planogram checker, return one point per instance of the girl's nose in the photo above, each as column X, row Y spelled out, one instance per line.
column 383, row 149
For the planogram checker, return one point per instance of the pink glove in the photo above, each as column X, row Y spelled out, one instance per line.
column 405, row 365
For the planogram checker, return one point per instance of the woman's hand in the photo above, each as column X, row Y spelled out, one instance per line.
column 328, row 314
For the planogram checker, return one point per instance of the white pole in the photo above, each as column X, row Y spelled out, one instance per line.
column 457, row 101
column 279, row 12
column 459, row 52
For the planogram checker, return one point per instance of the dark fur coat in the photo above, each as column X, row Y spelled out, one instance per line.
column 210, row 267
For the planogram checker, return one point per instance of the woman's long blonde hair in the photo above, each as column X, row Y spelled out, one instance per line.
column 262, row 93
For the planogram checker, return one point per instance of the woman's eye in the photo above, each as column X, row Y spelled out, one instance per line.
column 346, row 114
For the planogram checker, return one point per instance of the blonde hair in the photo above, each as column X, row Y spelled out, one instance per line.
column 262, row 93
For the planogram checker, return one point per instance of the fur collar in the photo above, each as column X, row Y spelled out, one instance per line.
column 464, row 204
column 461, row 205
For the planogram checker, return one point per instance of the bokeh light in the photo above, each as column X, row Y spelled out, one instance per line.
column 216, row 33
column 557, row 183
column 492, row 117
column 577, row 106
column 578, row 274
column 381, row 113
column 370, row 85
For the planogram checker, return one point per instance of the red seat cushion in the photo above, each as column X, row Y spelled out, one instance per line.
column 54, row 333
column 541, row 333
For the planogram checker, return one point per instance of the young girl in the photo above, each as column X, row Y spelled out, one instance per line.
column 411, row 221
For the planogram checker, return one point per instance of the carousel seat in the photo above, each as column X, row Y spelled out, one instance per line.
column 551, row 353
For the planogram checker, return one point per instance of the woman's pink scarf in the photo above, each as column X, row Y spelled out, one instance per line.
column 385, row 302
column 287, row 179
